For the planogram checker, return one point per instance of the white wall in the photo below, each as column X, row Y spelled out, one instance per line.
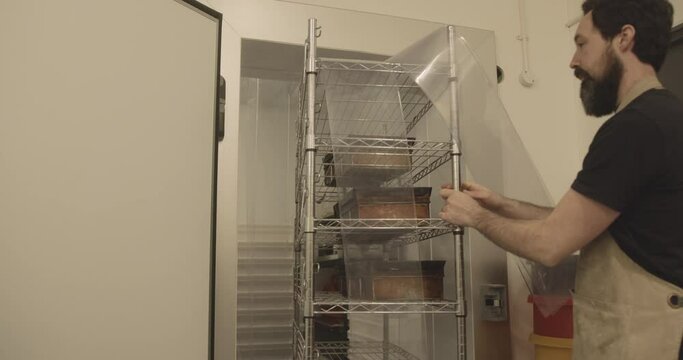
column 678, row 11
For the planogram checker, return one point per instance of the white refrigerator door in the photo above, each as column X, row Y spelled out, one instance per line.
column 107, row 179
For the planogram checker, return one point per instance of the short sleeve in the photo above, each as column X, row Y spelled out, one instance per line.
column 625, row 156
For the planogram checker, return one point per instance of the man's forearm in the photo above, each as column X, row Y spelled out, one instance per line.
column 522, row 237
column 520, row 210
column 573, row 223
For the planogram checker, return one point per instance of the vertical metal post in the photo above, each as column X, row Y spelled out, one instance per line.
column 309, row 227
column 461, row 312
column 385, row 342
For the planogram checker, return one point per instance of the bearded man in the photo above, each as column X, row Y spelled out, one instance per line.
column 625, row 206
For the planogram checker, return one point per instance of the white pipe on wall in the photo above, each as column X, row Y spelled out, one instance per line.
column 526, row 78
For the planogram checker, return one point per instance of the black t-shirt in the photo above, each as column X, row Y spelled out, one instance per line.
column 635, row 166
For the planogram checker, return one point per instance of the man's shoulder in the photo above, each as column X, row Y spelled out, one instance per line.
column 631, row 118
column 658, row 108
column 657, row 101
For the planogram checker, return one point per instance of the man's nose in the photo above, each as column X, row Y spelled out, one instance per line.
column 574, row 62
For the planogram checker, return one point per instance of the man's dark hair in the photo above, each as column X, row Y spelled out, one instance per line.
column 652, row 20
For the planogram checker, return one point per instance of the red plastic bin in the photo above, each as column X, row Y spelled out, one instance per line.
column 558, row 324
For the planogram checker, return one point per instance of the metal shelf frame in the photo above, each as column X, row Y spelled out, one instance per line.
column 354, row 108
column 367, row 88
column 362, row 350
column 344, row 350
column 329, row 232
column 402, row 231
column 425, row 157
column 335, row 303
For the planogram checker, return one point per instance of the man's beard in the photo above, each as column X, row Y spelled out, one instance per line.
column 599, row 96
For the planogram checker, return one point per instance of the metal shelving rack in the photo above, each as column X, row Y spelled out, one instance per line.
column 373, row 110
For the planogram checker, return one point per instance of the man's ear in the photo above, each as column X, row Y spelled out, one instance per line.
column 626, row 38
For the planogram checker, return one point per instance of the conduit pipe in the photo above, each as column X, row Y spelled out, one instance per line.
column 526, row 78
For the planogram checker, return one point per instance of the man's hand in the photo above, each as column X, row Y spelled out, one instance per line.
column 460, row 208
column 500, row 205
column 484, row 196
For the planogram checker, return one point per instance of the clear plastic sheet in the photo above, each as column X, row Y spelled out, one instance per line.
column 363, row 110
column 493, row 152
column 264, row 249
column 368, row 112
column 365, row 119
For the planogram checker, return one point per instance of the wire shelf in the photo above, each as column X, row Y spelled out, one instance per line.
column 362, row 351
column 344, row 350
column 403, row 231
column 335, row 303
column 300, row 345
column 374, row 66
column 344, row 87
column 389, row 161
column 299, row 284
column 364, row 114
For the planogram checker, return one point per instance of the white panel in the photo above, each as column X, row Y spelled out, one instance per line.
column 266, row 202
column 678, row 11
column 106, row 174
column 227, row 209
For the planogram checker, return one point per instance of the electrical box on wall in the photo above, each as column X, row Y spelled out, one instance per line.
column 493, row 299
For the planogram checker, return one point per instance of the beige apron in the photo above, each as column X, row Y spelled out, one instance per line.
column 621, row 311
